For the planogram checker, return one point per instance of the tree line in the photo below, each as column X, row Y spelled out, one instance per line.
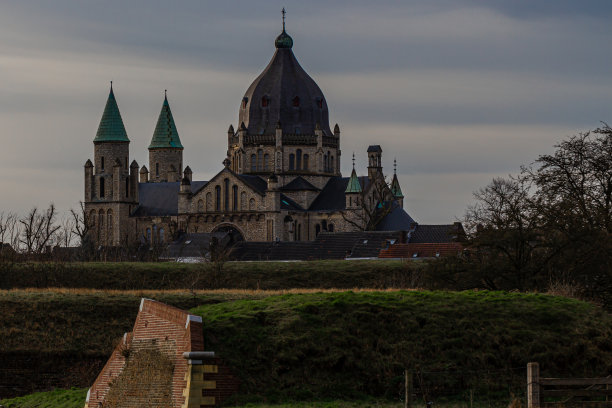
column 547, row 228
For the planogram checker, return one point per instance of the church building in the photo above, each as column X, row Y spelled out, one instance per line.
column 280, row 180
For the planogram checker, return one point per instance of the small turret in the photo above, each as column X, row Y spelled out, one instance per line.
column 144, row 174
column 133, row 187
column 337, row 130
column 230, row 131
column 374, row 161
column 353, row 190
column 89, row 182
column 396, row 190
column 184, row 197
column 188, row 174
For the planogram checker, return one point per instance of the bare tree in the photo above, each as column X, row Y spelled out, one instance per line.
column 81, row 223
column 8, row 226
column 374, row 203
column 38, row 229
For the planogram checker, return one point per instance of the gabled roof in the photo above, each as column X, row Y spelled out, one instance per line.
column 353, row 185
column 165, row 134
column 111, row 128
column 299, row 184
column 256, row 182
column 289, row 204
column 396, row 219
column 436, row 233
column 160, row 199
column 332, row 197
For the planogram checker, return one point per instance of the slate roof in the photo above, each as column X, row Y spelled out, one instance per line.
column 259, row 184
column 111, row 128
column 332, row 197
column 423, row 250
column 281, row 82
column 397, row 219
column 332, row 245
column 289, row 204
column 192, row 245
column 360, row 244
column 299, row 184
column 159, row 199
column 165, row 134
column 424, row 233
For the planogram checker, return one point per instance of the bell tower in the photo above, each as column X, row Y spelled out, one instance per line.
column 111, row 183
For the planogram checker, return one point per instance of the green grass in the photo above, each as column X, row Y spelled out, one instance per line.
column 352, row 345
column 239, row 275
column 333, row 346
column 73, row 398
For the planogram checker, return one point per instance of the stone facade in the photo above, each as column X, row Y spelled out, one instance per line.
column 281, row 178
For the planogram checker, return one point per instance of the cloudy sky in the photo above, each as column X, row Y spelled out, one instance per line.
column 460, row 91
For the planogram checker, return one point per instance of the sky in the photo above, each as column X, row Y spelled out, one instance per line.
column 459, row 91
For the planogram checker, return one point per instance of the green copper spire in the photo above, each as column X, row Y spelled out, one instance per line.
column 353, row 186
column 165, row 135
column 396, row 190
column 111, row 127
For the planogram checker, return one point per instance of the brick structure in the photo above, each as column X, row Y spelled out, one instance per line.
column 177, row 372
column 281, row 178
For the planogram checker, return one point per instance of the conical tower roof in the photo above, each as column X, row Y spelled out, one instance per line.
column 111, row 127
column 396, row 190
column 353, row 186
column 165, row 134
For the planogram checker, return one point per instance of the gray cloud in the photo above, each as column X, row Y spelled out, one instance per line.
column 460, row 91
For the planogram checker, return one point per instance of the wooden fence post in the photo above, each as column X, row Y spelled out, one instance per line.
column 407, row 388
column 533, row 385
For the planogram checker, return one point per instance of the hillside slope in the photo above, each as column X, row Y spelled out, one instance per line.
column 347, row 345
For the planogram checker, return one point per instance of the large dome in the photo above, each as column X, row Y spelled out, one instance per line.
column 284, row 93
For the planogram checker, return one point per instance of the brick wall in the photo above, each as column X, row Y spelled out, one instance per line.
column 171, row 332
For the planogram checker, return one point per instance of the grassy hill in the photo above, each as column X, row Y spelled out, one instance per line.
column 319, row 346
column 356, row 344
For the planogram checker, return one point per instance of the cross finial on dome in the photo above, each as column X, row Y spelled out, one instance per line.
column 283, row 12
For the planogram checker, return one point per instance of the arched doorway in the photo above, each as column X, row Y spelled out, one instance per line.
column 228, row 234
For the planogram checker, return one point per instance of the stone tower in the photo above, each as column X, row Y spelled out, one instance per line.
column 374, row 161
column 165, row 150
column 111, row 183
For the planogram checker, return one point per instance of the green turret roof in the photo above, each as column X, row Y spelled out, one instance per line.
column 111, row 127
column 353, row 186
column 396, row 190
column 165, row 135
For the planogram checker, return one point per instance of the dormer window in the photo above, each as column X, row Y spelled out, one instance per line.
column 296, row 101
column 265, row 101
column 245, row 100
